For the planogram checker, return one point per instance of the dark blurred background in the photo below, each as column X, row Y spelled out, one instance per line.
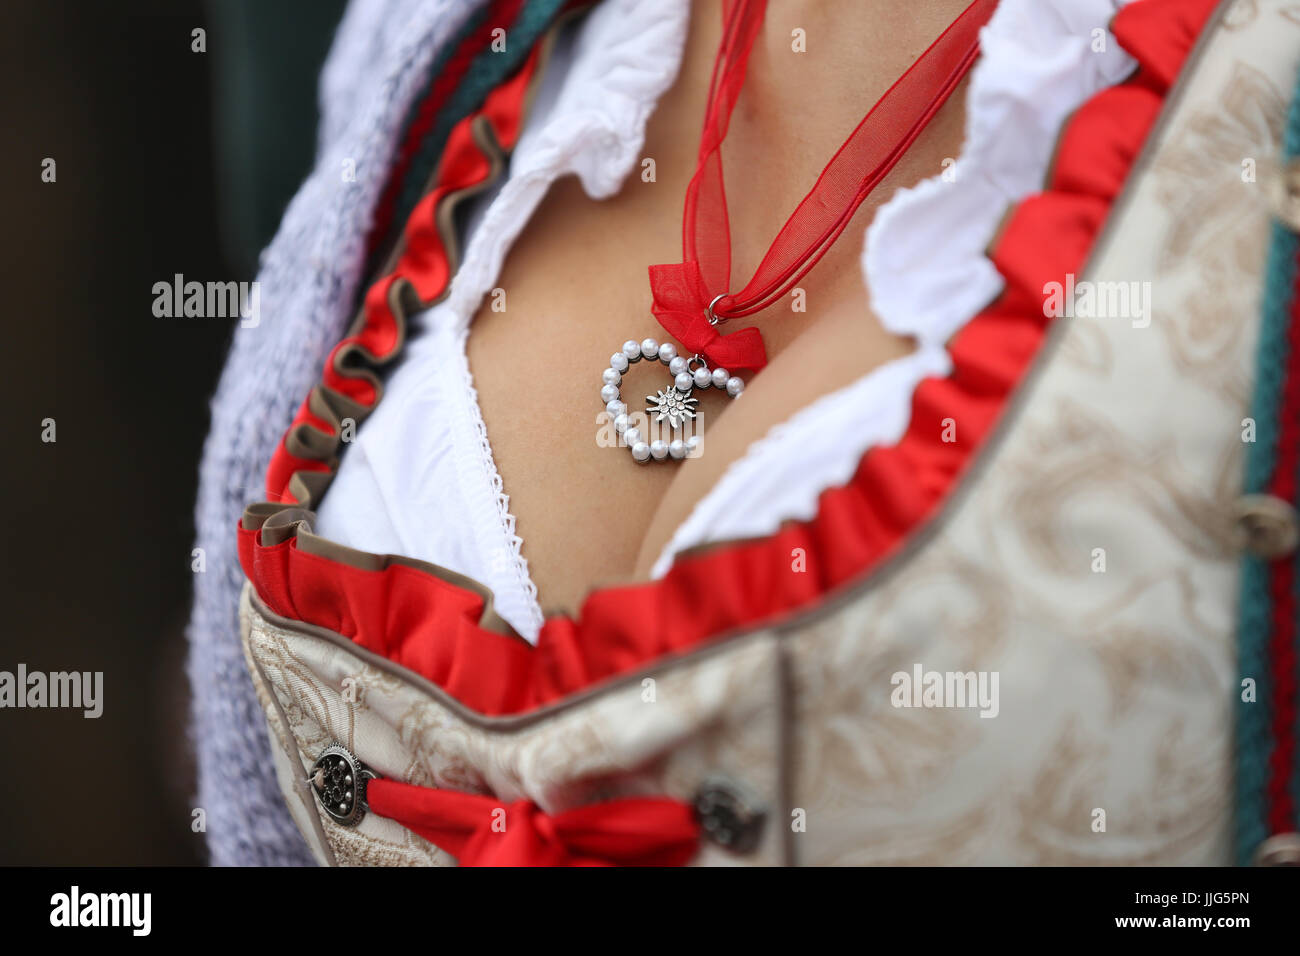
column 168, row 161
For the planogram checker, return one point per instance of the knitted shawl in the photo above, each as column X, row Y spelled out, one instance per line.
column 384, row 119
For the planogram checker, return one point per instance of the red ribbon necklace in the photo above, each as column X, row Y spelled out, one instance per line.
column 692, row 297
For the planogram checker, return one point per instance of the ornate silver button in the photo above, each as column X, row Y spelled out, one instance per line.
column 731, row 816
column 1267, row 526
column 1281, row 849
column 339, row 781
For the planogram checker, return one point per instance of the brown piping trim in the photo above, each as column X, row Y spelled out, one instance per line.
column 785, row 754
column 310, row 485
column 503, row 722
column 279, row 523
column 357, row 361
column 445, row 216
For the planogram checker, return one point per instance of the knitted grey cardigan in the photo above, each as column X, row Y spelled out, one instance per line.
column 308, row 278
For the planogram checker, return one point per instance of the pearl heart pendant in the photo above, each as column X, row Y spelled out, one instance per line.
column 673, row 404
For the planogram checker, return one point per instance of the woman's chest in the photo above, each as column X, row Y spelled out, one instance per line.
column 572, row 291
column 574, row 288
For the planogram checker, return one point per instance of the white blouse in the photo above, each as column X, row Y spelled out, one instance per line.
column 419, row 478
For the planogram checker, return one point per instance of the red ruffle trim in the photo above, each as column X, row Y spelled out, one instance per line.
column 431, row 627
column 424, row 264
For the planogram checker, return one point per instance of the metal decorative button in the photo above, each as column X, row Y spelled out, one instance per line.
column 731, row 816
column 1267, row 526
column 1285, row 195
column 1281, row 849
column 339, row 781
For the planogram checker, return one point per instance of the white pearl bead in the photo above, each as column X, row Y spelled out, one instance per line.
column 632, row 435
column 677, row 365
column 632, row 351
column 693, row 445
column 720, row 376
column 667, row 352
column 649, row 348
column 702, row 378
column 735, row 386
column 615, row 408
column 683, row 382
column 609, row 393
column 621, row 423
column 618, row 362
column 659, row 450
column 677, row 448
column 641, row 451
column 611, row 376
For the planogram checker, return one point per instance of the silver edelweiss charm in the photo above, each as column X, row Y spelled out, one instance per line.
column 674, row 403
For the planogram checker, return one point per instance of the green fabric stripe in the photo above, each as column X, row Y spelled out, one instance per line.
column 1253, row 732
column 1271, row 356
column 380, row 250
column 1254, row 738
column 471, row 26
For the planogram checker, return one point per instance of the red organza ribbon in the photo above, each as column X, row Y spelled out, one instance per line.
column 480, row 831
column 684, row 291
column 679, row 289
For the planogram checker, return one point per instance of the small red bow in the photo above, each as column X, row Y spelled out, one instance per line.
column 481, row 831
column 681, row 303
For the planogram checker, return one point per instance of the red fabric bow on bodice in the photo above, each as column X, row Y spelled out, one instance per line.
column 481, row 830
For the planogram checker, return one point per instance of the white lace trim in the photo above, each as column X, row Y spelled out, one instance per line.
column 487, row 464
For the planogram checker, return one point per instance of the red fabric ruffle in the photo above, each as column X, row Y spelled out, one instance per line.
column 424, row 264
column 479, row 831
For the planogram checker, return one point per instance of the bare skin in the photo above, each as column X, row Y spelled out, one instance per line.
column 576, row 288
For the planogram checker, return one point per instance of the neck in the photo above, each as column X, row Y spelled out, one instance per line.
column 815, row 70
column 854, row 51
